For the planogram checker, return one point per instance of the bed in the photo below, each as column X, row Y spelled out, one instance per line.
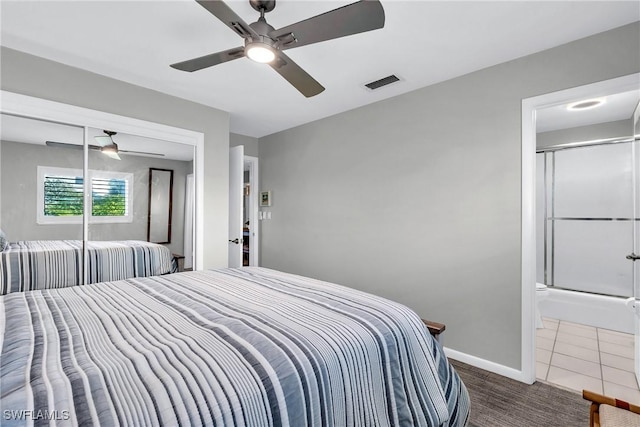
column 230, row 347
column 48, row 264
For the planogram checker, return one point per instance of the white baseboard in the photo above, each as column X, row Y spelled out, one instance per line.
column 487, row 365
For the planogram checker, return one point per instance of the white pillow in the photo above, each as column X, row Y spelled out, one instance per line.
column 4, row 242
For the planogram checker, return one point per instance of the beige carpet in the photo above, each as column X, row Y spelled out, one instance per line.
column 497, row 401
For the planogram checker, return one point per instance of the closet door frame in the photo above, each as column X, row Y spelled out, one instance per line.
column 42, row 109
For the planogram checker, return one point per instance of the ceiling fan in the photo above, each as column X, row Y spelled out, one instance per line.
column 106, row 146
column 265, row 44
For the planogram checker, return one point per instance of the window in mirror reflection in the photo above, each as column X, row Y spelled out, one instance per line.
column 60, row 196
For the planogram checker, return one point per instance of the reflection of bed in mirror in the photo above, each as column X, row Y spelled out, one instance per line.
column 51, row 264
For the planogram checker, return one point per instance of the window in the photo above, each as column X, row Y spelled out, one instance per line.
column 60, row 196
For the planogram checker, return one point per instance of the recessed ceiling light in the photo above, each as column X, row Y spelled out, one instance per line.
column 587, row 104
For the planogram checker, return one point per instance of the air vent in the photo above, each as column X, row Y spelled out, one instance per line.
column 382, row 82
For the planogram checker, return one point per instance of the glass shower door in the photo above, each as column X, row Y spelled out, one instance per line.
column 590, row 216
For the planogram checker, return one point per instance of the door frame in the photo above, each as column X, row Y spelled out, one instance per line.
column 636, row 235
column 528, row 207
column 253, row 208
column 43, row 109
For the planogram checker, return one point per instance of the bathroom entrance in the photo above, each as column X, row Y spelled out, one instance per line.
column 586, row 225
column 585, row 230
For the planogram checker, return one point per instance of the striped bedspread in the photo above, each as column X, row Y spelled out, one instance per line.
column 48, row 264
column 231, row 347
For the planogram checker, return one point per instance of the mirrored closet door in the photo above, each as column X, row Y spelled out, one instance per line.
column 37, row 202
column 41, row 205
column 138, row 193
column 76, row 204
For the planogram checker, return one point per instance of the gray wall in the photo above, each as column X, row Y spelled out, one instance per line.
column 19, row 168
column 417, row 198
column 250, row 144
column 617, row 129
column 38, row 77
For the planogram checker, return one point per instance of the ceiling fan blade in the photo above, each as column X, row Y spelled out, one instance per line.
column 142, row 153
column 365, row 15
column 224, row 13
column 209, row 60
column 68, row 145
column 103, row 140
column 295, row 75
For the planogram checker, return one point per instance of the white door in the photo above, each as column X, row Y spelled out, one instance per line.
column 236, row 179
column 635, row 302
column 189, row 209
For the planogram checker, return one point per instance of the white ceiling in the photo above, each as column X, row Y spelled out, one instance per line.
column 423, row 42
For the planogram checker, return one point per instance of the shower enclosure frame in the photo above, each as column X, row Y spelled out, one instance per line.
column 549, row 201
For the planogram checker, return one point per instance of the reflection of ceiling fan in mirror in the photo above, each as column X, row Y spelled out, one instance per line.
column 106, row 145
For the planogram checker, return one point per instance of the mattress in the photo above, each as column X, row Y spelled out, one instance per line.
column 230, row 347
column 48, row 264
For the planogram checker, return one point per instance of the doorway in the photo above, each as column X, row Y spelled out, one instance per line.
column 244, row 231
column 532, row 111
column 250, row 236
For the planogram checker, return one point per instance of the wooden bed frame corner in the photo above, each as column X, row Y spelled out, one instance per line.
column 435, row 328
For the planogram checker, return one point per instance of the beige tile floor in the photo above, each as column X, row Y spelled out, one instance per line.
column 583, row 357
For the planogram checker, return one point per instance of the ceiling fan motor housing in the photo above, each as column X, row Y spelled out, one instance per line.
column 263, row 5
column 262, row 28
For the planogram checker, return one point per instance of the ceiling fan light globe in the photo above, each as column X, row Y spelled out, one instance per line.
column 260, row 52
column 111, row 153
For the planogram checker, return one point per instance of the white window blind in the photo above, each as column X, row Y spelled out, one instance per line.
column 109, row 197
column 62, row 195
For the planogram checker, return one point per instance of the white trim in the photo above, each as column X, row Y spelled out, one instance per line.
column 528, row 239
column 37, row 108
column 198, row 226
column 254, row 226
column 636, row 242
column 487, row 365
column 529, row 107
column 87, row 212
column 189, row 238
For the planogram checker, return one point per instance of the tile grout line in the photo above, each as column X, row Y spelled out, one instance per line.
column 599, row 354
column 600, row 359
column 553, row 349
column 579, row 358
column 602, row 370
